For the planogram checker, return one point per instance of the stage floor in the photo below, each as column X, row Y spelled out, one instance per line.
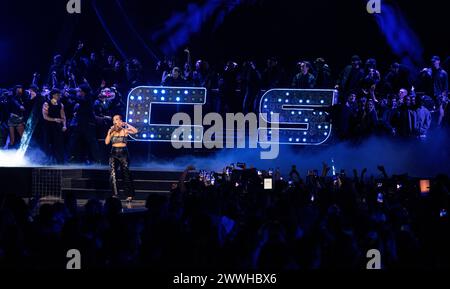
column 136, row 206
column 151, row 167
column 53, row 183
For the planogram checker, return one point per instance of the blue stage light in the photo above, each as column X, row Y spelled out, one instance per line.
column 139, row 97
column 139, row 116
column 132, row 97
column 313, row 119
column 144, row 135
column 152, row 136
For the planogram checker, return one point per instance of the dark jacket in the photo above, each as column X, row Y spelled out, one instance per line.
column 304, row 81
column 350, row 78
column 83, row 112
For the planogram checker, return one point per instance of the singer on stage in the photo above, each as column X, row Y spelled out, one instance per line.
column 117, row 136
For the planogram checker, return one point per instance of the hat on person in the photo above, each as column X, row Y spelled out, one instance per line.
column 435, row 58
column 356, row 58
column 85, row 88
column 55, row 91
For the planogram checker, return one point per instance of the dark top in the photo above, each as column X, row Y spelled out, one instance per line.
column 350, row 78
column 15, row 102
column 303, row 81
column 54, row 111
column 177, row 82
column 102, row 107
column 273, row 77
column 83, row 112
column 440, row 82
column 201, row 79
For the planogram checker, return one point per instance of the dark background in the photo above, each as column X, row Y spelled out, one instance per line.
column 31, row 32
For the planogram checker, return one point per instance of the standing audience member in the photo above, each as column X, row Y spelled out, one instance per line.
column 17, row 114
column 228, row 86
column 274, row 75
column 304, row 79
column 423, row 119
column 83, row 129
column 55, row 125
column 251, row 86
column 351, row 77
column 322, row 74
column 436, row 79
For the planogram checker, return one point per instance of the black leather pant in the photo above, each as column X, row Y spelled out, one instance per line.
column 54, row 141
column 119, row 156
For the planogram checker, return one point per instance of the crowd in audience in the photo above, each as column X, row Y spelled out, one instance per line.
column 232, row 221
column 75, row 101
